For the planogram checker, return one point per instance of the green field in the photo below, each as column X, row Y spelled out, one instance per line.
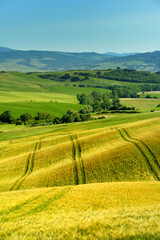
column 144, row 105
column 151, row 94
column 21, row 92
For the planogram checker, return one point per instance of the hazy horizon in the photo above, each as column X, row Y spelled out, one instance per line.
column 107, row 52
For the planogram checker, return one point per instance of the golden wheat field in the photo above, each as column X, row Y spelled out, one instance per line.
column 85, row 182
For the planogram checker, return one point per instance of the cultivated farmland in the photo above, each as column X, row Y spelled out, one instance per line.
column 85, row 180
column 95, row 178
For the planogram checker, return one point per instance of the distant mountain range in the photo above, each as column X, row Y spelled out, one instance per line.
column 30, row 61
column 4, row 49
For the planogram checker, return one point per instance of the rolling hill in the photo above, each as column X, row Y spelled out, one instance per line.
column 50, row 92
column 26, row 61
column 84, row 180
column 4, row 49
column 149, row 61
column 47, row 60
column 112, row 153
column 92, row 180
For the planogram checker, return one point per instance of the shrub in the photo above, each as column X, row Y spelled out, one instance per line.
column 18, row 122
column 148, row 96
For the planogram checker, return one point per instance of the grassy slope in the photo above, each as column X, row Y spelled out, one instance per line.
column 121, row 149
column 21, row 93
column 79, row 153
column 58, row 108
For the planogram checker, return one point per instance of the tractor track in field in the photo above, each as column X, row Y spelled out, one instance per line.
column 21, row 205
column 49, row 201
column 78, row 161
column 81, row 163
column 28, row 168
column 76, row 179
column 145, row 151
column 44, row 204
column 145, row 146
column 18, row 208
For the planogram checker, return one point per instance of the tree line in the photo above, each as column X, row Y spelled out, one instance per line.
column 124, row 75
column 45, row 118
column 95, row 102
column 78, row 79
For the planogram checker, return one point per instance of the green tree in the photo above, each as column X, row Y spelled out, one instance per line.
column 65, row 76
column 96, row 106
column 86, row 109
column 106, row 104
column 84, row 99
column 44, row 116
column 25, row 117
column 99, row 74
column 71, row 116
column 6, row 117
column 96, row 95
column 85, row 117
column 75, row 79
column 115, row 102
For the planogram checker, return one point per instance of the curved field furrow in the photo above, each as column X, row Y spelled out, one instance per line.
column 17, row 148
column 15, row 212
column 28, row 168
column 24, row 174
column 39, row 145
column 79, row 172
column 74, row 161
column 81, row 163
column 143, row 150
column 39, row 202
column 44, row 205
column 145, row 146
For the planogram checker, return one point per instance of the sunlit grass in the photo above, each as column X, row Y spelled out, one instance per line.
column 91, row 180
column 95, row 211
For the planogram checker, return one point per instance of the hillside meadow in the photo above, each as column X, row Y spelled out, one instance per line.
column 49, row 92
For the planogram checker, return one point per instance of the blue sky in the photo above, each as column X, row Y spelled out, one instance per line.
column 81, row 25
